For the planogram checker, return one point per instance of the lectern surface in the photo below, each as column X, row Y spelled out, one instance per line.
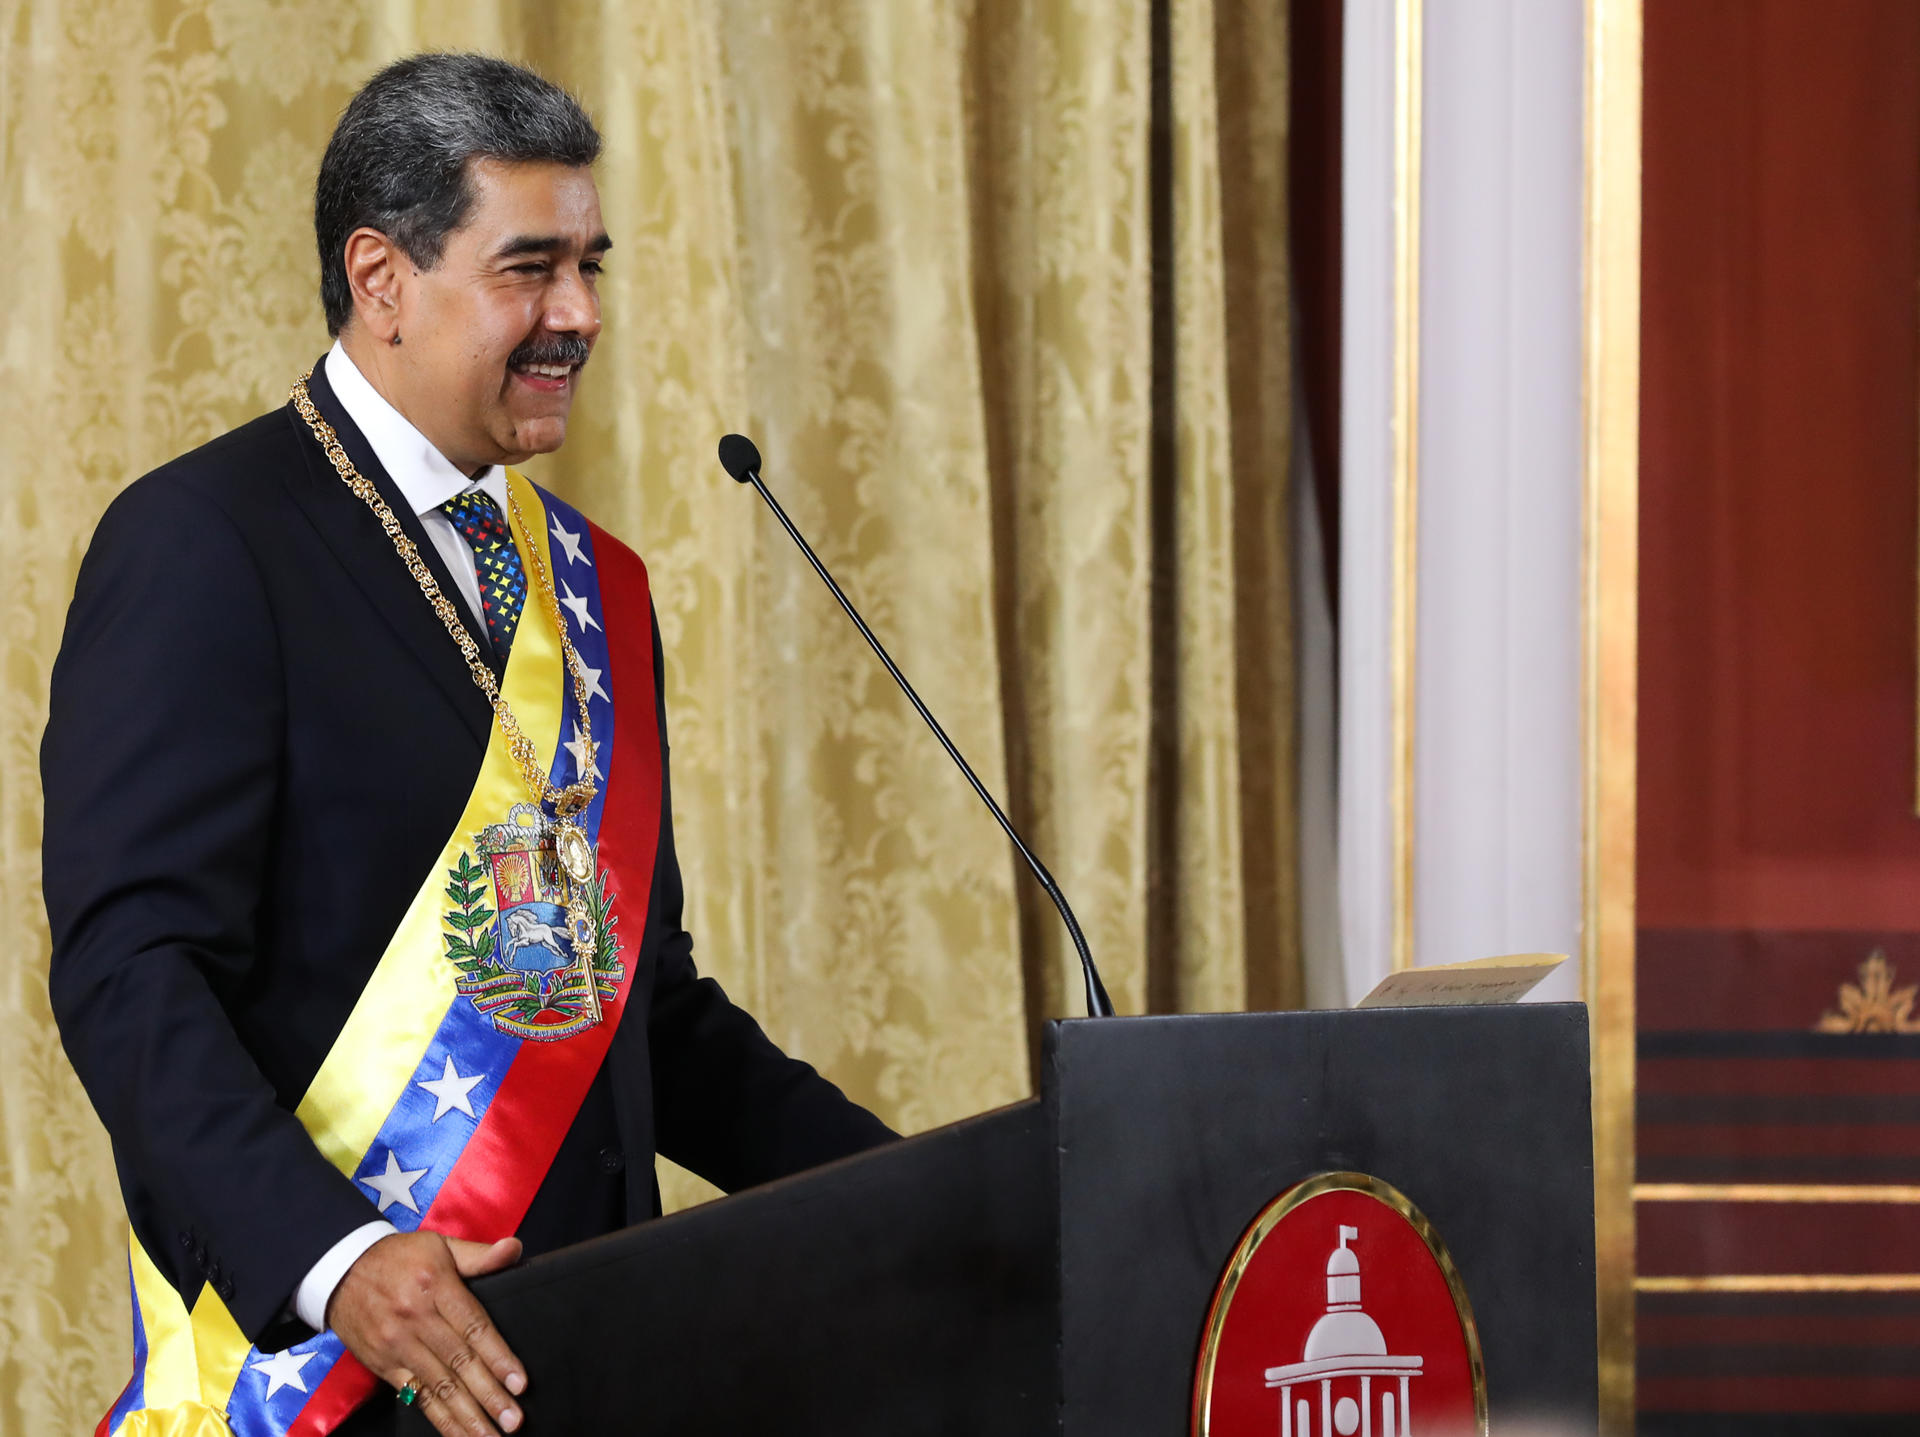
column 1175, row 1135
column 1048, row 1268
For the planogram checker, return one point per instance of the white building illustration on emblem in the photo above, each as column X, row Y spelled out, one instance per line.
column 1344, row 1354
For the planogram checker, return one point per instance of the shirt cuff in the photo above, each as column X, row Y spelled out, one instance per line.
column 316, row 1288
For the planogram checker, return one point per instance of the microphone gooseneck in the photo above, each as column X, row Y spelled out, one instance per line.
column 741, row 459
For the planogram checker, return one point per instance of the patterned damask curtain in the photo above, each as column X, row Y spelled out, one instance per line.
column 1000, row 289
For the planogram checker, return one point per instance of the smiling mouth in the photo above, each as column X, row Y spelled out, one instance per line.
column 549, row 377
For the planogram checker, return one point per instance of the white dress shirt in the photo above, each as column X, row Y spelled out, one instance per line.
column 426, row 479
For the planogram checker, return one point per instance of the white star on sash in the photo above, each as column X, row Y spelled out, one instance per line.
column 591, row 678
column 395, row 1185
column 283, row 1370
column 578, row 606
column 585, row 759
column 570, row 543
column 450, row 1091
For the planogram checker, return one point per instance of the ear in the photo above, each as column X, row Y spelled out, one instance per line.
column 376, row 274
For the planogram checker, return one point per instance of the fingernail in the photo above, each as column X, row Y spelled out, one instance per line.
column 510, row 1419
column 516, row 1384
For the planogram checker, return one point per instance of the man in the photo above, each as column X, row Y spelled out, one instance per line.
column 359, row 859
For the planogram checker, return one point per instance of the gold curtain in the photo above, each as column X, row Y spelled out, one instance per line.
column 1000, row 289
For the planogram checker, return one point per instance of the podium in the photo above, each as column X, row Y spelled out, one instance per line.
column 1048, row 1267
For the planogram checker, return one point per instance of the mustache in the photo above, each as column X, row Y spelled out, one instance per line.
column 551, row 349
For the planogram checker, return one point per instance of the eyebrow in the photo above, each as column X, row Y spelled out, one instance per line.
column 546, row 244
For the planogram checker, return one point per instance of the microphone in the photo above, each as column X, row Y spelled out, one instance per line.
column 740, row 459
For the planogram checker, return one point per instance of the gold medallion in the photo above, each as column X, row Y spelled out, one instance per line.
column 575, row 853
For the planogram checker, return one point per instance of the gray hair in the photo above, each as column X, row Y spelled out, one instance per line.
column 398, row 159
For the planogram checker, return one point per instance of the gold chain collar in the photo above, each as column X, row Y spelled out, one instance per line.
column 565, row 801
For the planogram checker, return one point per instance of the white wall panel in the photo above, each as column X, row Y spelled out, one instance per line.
column 1497, row 668
column 1366, row 492
column 1496, row 717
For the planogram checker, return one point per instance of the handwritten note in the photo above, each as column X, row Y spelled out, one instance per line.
column 1506, row 979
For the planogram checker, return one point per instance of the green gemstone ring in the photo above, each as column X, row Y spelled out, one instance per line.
column 410, row 1394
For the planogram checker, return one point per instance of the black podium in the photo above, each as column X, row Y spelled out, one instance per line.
column 1047, row 1268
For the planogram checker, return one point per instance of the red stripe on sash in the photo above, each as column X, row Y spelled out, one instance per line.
column 494, row 1180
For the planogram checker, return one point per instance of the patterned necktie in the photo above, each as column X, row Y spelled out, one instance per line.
column 496, row 563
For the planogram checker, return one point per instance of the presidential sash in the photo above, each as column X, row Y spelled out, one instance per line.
column 473, row 1044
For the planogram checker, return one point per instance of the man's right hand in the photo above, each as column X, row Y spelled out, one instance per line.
column 404, row 1310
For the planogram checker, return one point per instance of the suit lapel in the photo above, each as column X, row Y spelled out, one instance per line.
column 350, row 530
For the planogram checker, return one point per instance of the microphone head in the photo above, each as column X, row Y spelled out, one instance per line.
column 738, row 456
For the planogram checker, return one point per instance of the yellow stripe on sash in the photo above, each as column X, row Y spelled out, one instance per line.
column 192, row 1361
column 197, row 1420
column 173, row 1371
column 370, row 1063
column 221, row 1346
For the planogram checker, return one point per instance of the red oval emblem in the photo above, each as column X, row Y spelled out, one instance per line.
column 1340, row 1315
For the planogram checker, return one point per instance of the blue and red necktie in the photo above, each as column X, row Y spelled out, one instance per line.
column 496, row 563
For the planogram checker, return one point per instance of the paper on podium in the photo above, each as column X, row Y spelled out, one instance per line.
column 1506, row 979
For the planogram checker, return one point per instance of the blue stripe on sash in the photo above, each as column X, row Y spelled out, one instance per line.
column 252, row 1414
column 590, row 643
column 135, row 1395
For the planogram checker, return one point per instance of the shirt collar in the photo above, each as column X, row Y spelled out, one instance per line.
column 425, row 477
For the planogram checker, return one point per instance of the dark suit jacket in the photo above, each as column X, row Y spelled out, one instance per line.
column 260, row 739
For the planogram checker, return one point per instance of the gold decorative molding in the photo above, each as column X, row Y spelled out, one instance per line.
column 1784, row 1282
column 1610, row 462
column 1873, row 1005
column 1777, row 1192
column 1408, row 62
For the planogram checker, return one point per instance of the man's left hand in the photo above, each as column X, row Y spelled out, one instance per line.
column 404, row 1310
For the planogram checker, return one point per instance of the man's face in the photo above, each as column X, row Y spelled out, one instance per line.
column 493, row 337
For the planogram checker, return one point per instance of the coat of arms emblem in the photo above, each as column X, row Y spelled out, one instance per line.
column 1288, row 1349
column 536, row 952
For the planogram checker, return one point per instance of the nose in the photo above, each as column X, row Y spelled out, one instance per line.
column 573, row 307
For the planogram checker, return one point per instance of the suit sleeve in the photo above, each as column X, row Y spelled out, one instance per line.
column 161, row 768
column 728, row 1104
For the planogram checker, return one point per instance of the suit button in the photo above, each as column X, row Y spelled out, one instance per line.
column 612, row 1160
column 186, row 1241
column 225, row 1288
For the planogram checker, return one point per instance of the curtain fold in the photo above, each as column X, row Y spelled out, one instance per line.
column 1038, row 427
column 1064, row 259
